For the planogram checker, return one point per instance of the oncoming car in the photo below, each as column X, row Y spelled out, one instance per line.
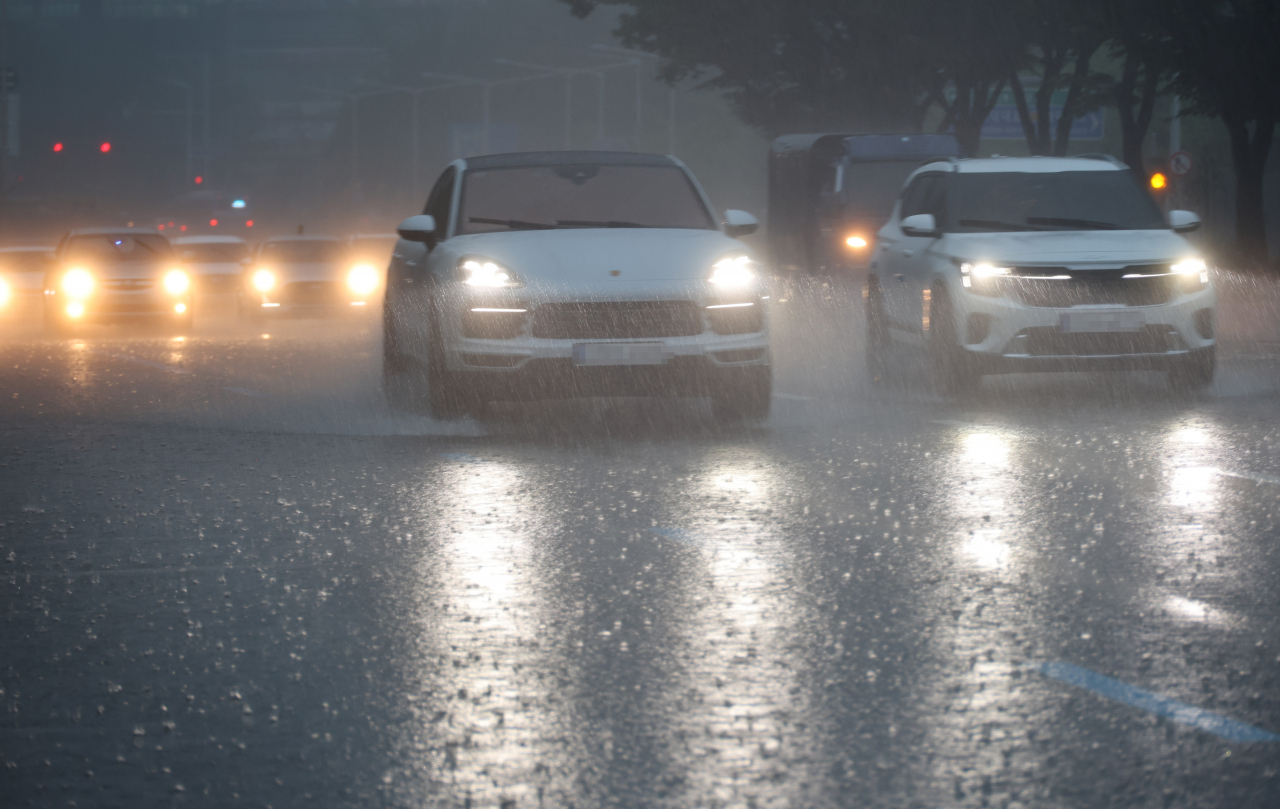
column 306, row 276
column 1039, row 264
column 22, row 271
column 107, row 275
column 217, row 263
column 576, row 274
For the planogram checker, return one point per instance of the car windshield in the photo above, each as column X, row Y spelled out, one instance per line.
column 112, row 248
column 213, row 253
column 580, row 196
column 1067, row 200
column 871, row 189
column 303, row 251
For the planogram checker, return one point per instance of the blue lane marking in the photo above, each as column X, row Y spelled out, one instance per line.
column 1179, row 712
column 679, row 536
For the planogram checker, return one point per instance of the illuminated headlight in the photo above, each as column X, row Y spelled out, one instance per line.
column 732, row 272
column 1193, row 269
column 177, row 282
column 977, row 273
column 480, row 272
column 5, row 293
column 77, row 283
column 362, row 279
column 264, row 280
column 856, row 242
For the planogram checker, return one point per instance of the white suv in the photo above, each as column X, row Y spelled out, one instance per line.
column 1039, row 264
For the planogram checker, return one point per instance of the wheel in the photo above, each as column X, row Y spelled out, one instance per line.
column 1195, row 371
column 448, row 396
column 745, row 394
column 877, row 338
column 953, row 369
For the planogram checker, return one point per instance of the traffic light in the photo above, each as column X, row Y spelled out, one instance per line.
column 105, row 147
column 199, row 180
column 58, row 147
column 1159, row 181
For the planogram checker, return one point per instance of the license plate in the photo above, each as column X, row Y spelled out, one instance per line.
column 1101, row 321
column 620, row 354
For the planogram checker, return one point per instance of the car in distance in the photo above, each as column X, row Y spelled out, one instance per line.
column 576, row 274
column 114, row 275
column 1039, row 264
column 306, row 276
column 22, row 271
column 217, row 262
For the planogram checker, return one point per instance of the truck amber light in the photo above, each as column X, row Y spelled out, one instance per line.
column 856, row 242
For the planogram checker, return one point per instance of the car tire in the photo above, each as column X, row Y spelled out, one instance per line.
column 449, row 397
column 953, row 369
column 744, row 394
column 878, row 340
column 1195, row 371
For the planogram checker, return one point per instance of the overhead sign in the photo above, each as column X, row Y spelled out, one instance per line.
column 1004, row 124
column 1180, row 163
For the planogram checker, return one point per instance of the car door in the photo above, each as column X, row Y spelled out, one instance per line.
column 410, row 284
column 894, row 250
column 916, row 253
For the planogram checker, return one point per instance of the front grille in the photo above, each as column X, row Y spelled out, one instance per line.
column 617, row 320
column 493, row 325
column 1032, row 286
column 312, row 293
column 219, row 284
column 128, row 284
column 1047, row 341
column 736, row 320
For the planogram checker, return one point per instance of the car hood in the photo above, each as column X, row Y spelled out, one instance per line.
column 308, row 271
column 125, row 269
column 1093, row 248
column 602, row 255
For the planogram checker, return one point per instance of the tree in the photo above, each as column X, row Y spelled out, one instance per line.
column 1227, row 59
column 1142, row 47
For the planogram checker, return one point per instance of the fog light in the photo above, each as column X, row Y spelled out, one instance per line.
column 75, row 309
column 179, row 307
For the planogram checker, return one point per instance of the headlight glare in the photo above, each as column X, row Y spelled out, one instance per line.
column 362, row 279
column 1190, row 266
column 5, row 293
column 264, row 280
column 176, row 282
column 732, row 272
column 983, row 270
column 481, row 272
column 77, row 283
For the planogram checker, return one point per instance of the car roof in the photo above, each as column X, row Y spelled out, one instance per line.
column 114, row 232
column 521, row 159
column 302, row 239
column 1029, row 165
column 208, row 240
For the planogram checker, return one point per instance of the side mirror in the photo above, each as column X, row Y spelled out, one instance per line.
column 1183, row 221
column 739, row 223
column 420, row 228
column 921, row 224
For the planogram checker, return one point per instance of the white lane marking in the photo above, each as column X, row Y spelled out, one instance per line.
column 256, row 394
column 793, row 397
column 1256, row 478
column 173, row 369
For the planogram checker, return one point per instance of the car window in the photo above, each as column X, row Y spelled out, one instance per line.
column 871, row 188
column 213, row 253
column 440, row 199
column 580, row 196
column 1067, row 200
column 913, row 198
column 115, row 248
column 302, row 251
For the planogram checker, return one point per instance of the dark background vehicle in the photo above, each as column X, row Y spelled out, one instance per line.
column 217, row 264
column 830, row 193
column 305, row 276
column 106, row 275
column 22, row 271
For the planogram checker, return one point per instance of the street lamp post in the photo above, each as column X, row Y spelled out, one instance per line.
column 568, row 73
column 671, row 101
column 486, row 86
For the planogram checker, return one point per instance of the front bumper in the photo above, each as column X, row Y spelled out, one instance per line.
column 118, row 307
column 1006, row 336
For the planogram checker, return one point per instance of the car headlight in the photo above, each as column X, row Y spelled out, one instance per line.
column 362, row 279
column 732, row 272
column 1194, row 270
column 77, row 283
column 5, row 293
column 977, row 276
column 176, row 282
column 481, row 272
column 264, row 280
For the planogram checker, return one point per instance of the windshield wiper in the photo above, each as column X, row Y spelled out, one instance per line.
column 1086, row 224
column 611, row 223
column 991, row 224
column 514, row 224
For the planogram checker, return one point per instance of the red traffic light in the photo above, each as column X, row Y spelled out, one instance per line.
column 249, row 224
column 199, row 180
column 213, row 223
column 57, row 147
column 104, row 148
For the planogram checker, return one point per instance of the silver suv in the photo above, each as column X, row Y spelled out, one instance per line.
column 1039, row 264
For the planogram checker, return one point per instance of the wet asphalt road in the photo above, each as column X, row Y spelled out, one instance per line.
column 232, row 575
